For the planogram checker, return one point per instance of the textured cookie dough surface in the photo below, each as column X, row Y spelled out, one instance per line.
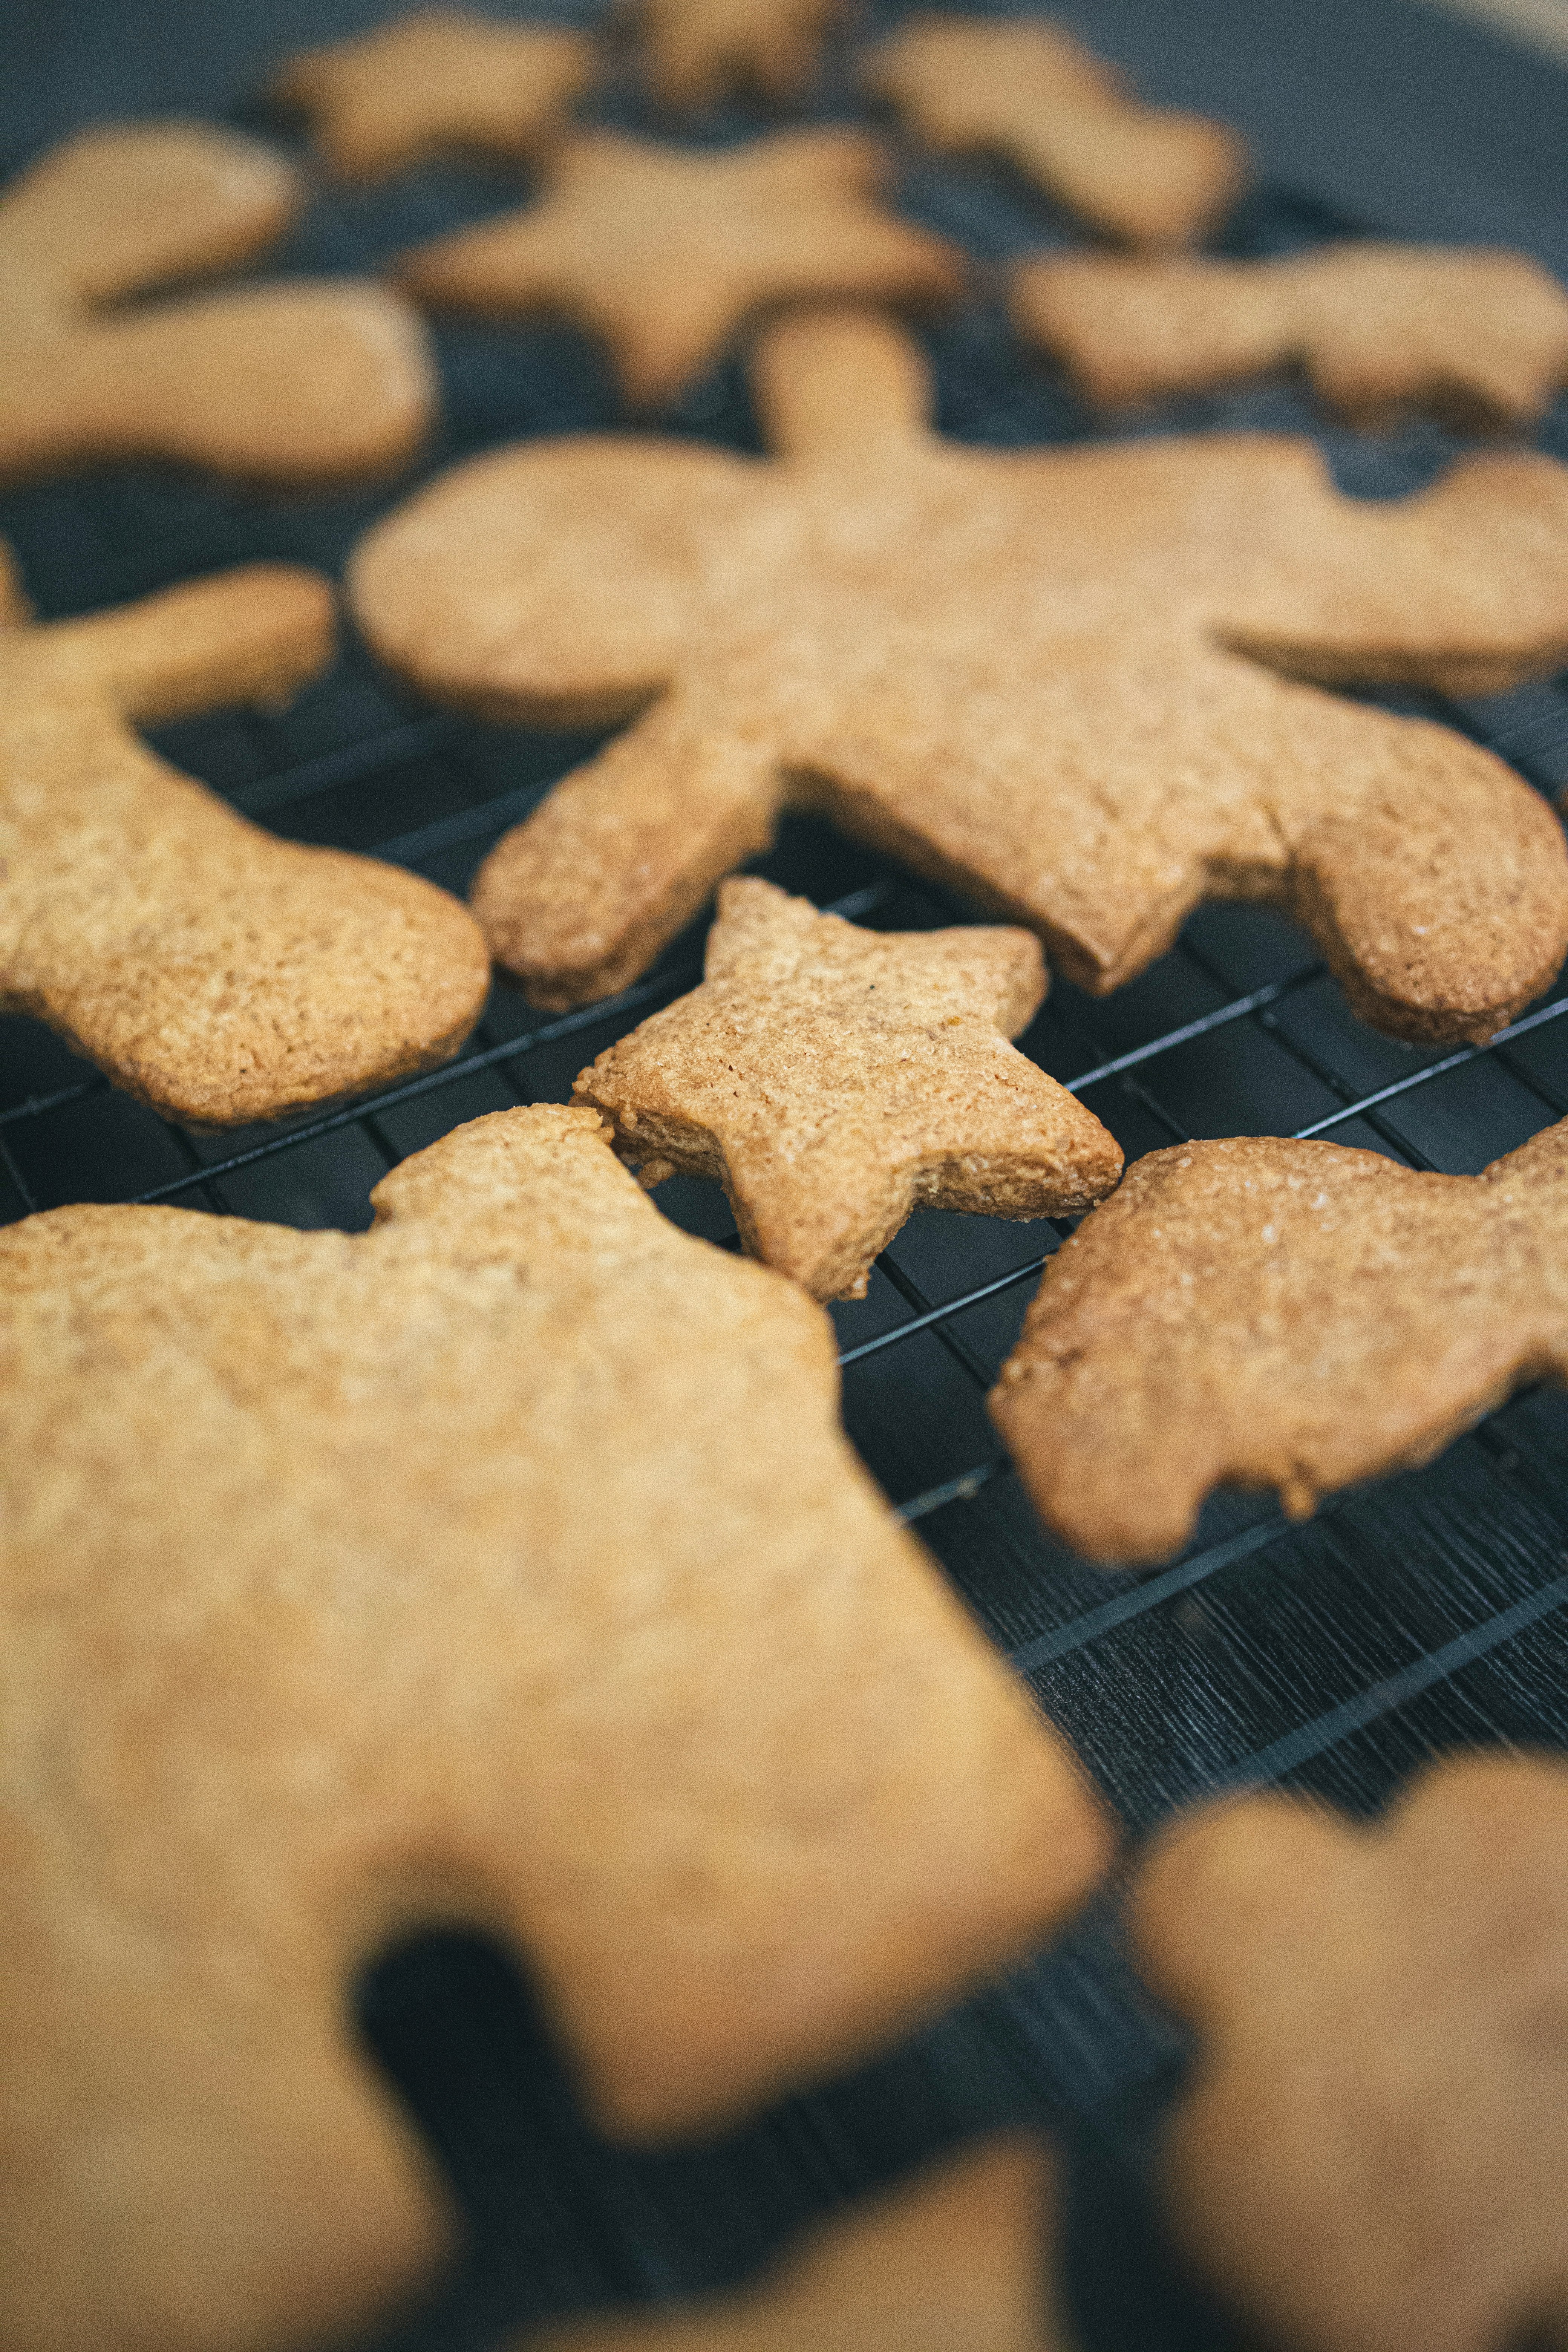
column 953, row 2262
column 1052, row 679
column 1278, row 1313
column 217, row 973
column 312, row 381
column 1479, row 335
column 508, row 1565
column 1372, row 2143
column 664, row 252
column 833, row 1079
column 698, row 51
column 1024, row 88
column 436, row 81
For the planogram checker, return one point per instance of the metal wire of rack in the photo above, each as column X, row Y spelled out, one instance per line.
column 1408, row 1618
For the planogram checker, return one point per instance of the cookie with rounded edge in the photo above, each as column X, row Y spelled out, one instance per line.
column 833, row 1079
column 435, row 81
column 1068, row 682
column 305, row 383
column 1371, row 2148
column 1478, row 334
column 354, row 1581
column 1268, row 1313
column 217, row 973
column 1024, row 88
column 664, row 253
column 961, row 2259
column 697, row 52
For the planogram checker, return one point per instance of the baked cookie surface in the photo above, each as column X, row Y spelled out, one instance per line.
column 219, row 974
column 1278, row 1313
column 306, row 382
column 698, row 51
column 663, row 252
column 1372, row 2147
column 833, row 1079
column 353, row 1582
column 1054, row 678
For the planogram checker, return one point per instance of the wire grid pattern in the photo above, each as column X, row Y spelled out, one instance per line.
column 1409, row 1618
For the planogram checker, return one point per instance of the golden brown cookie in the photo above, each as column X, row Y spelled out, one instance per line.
column 698, row 51
column 216, row 972
column 1372, row 2152
column 311, row 382
column 1048, row 676
column 436, row 81
column 1267, row 1313
column 351, row 1582
column 663, row 252
column 833, row 1079
column 956, row 2261
column 1478, row 334
column 1024, row 88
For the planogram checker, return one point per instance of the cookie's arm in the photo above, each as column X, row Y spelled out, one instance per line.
column 835, row 380
column 249, row 636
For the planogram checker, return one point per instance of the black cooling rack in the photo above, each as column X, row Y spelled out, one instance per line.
column 1413, row 1617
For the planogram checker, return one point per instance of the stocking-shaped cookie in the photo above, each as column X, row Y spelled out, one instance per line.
column 955, row 2262
column 219, row 974
column 1023, row 88
column 1479, row 335
column 698, row 51
column 1372, row 2146
column 1051, row 678
column 1278, row 1313
column 506, row 1564
column 312, row 381
column 834, row 1079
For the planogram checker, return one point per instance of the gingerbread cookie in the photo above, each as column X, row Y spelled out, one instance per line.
column 440, row 1572
column 1372, row 2146
column 216, row 972
column 437, row 80
column 700, row 51
column 1024, row 88
column 662, row 252
column 953, row 2262
column 1479, row 335
column 833, row 1079
column 1276, row 1314
column 311, row 382
column 1051, row 678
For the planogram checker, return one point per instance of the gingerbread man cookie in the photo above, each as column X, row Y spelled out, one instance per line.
column 663, row 252
column 1051, row 678
column 1278, row 1313
column 439, row 1572
column 434, row 81
column 833, row 1079
column 1024, row 88
column 1372, row 2146
column 216, row 972
column 956, row 2261
column 698, row 51
column 311, row 382
column 1480, row 336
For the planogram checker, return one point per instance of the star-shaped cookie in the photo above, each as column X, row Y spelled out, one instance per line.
column 833, row 1079
column 307, row 382
column 1371, row 2146
column 434, row 81
column 1023, row 88
column 663, row 252
column 1271, row 1313
column 698, row 51
column 1056, row 679
column 1477, row 334
column 956, row 2261
column 217, row 972
column 504, row 1565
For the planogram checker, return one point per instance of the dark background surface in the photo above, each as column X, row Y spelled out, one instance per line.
column 1414, row 1617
